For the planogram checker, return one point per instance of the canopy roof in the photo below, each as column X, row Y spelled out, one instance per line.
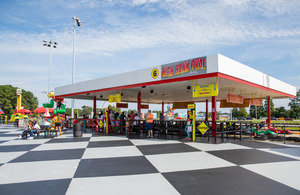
column 174, row 82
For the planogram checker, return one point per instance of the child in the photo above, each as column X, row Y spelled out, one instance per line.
column 188, row 129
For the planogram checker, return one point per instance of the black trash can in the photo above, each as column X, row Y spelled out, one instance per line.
column 77, row 130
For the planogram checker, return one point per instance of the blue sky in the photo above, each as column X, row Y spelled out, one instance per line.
column 125, row 35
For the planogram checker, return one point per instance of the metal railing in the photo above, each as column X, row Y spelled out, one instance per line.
column 218, row 131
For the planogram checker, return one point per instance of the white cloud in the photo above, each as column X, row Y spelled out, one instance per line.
column 179, row 24
column 187, row 24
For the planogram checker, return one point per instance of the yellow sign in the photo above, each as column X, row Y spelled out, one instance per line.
column 100, row 124
column 114, row 98
column 155, row 73
column 205, row 90
column 191, row 106
column 202, row 128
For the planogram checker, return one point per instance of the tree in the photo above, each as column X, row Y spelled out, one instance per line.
column 280, row 112
column 260, row 112
column 265, row 108
column 87, row 111
column 294, row 105
column 242, row 112
column 29, row 101
column 8, row 99
column 234, row 112
column 252, row 111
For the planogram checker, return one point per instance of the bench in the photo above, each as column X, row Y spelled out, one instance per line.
column 46, row 130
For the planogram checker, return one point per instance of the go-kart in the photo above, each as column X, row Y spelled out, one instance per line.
column 266, row 132
column 280, row 131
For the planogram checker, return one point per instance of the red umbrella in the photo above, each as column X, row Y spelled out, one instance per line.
column 42, row 110
column 24, row 111
column 1, row 112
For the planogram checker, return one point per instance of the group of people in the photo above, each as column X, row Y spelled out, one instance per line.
column 33, row 126
column 119, row 121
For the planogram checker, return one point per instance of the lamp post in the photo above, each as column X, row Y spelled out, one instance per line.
column 54, row 45
column 78, row 23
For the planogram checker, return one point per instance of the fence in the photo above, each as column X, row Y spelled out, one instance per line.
column 218, row 131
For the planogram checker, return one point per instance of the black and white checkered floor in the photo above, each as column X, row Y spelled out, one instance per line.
column 99, row 164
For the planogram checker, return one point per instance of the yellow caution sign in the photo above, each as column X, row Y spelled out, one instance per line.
column 202, row 128
column 114, row 98
column 100, row 124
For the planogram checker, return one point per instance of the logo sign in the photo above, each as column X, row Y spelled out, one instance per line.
column 114, row 98
column 154, row 73
column 237, row 99
column 205, row 90
column 202, row 128
column 184, row 68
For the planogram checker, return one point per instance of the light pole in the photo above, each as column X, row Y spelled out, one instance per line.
column 78, row 22
column 54, row 45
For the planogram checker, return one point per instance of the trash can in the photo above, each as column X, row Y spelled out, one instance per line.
column 77, row 130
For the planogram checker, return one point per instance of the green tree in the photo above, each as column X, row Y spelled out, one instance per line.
column 265, row 108
column 242, row 112
column 280, row 112
column 29, row 101
column 292, row 114
column 235, row 112
column 294, row 105
column 252, row 111
column 8, row 99
column 86, row 111
column 260, row 112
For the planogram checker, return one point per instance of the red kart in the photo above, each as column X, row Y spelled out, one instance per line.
column 280, row 131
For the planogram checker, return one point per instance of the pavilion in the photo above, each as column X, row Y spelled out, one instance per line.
column 203, row 79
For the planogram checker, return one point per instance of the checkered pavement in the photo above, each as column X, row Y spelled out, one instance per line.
column 100, row 164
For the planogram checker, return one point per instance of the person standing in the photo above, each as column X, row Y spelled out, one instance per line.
column 149, row 120
column 112, row 120
column 67, row 121
column 17, row 118
column 122, row 118
column 58, row 123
